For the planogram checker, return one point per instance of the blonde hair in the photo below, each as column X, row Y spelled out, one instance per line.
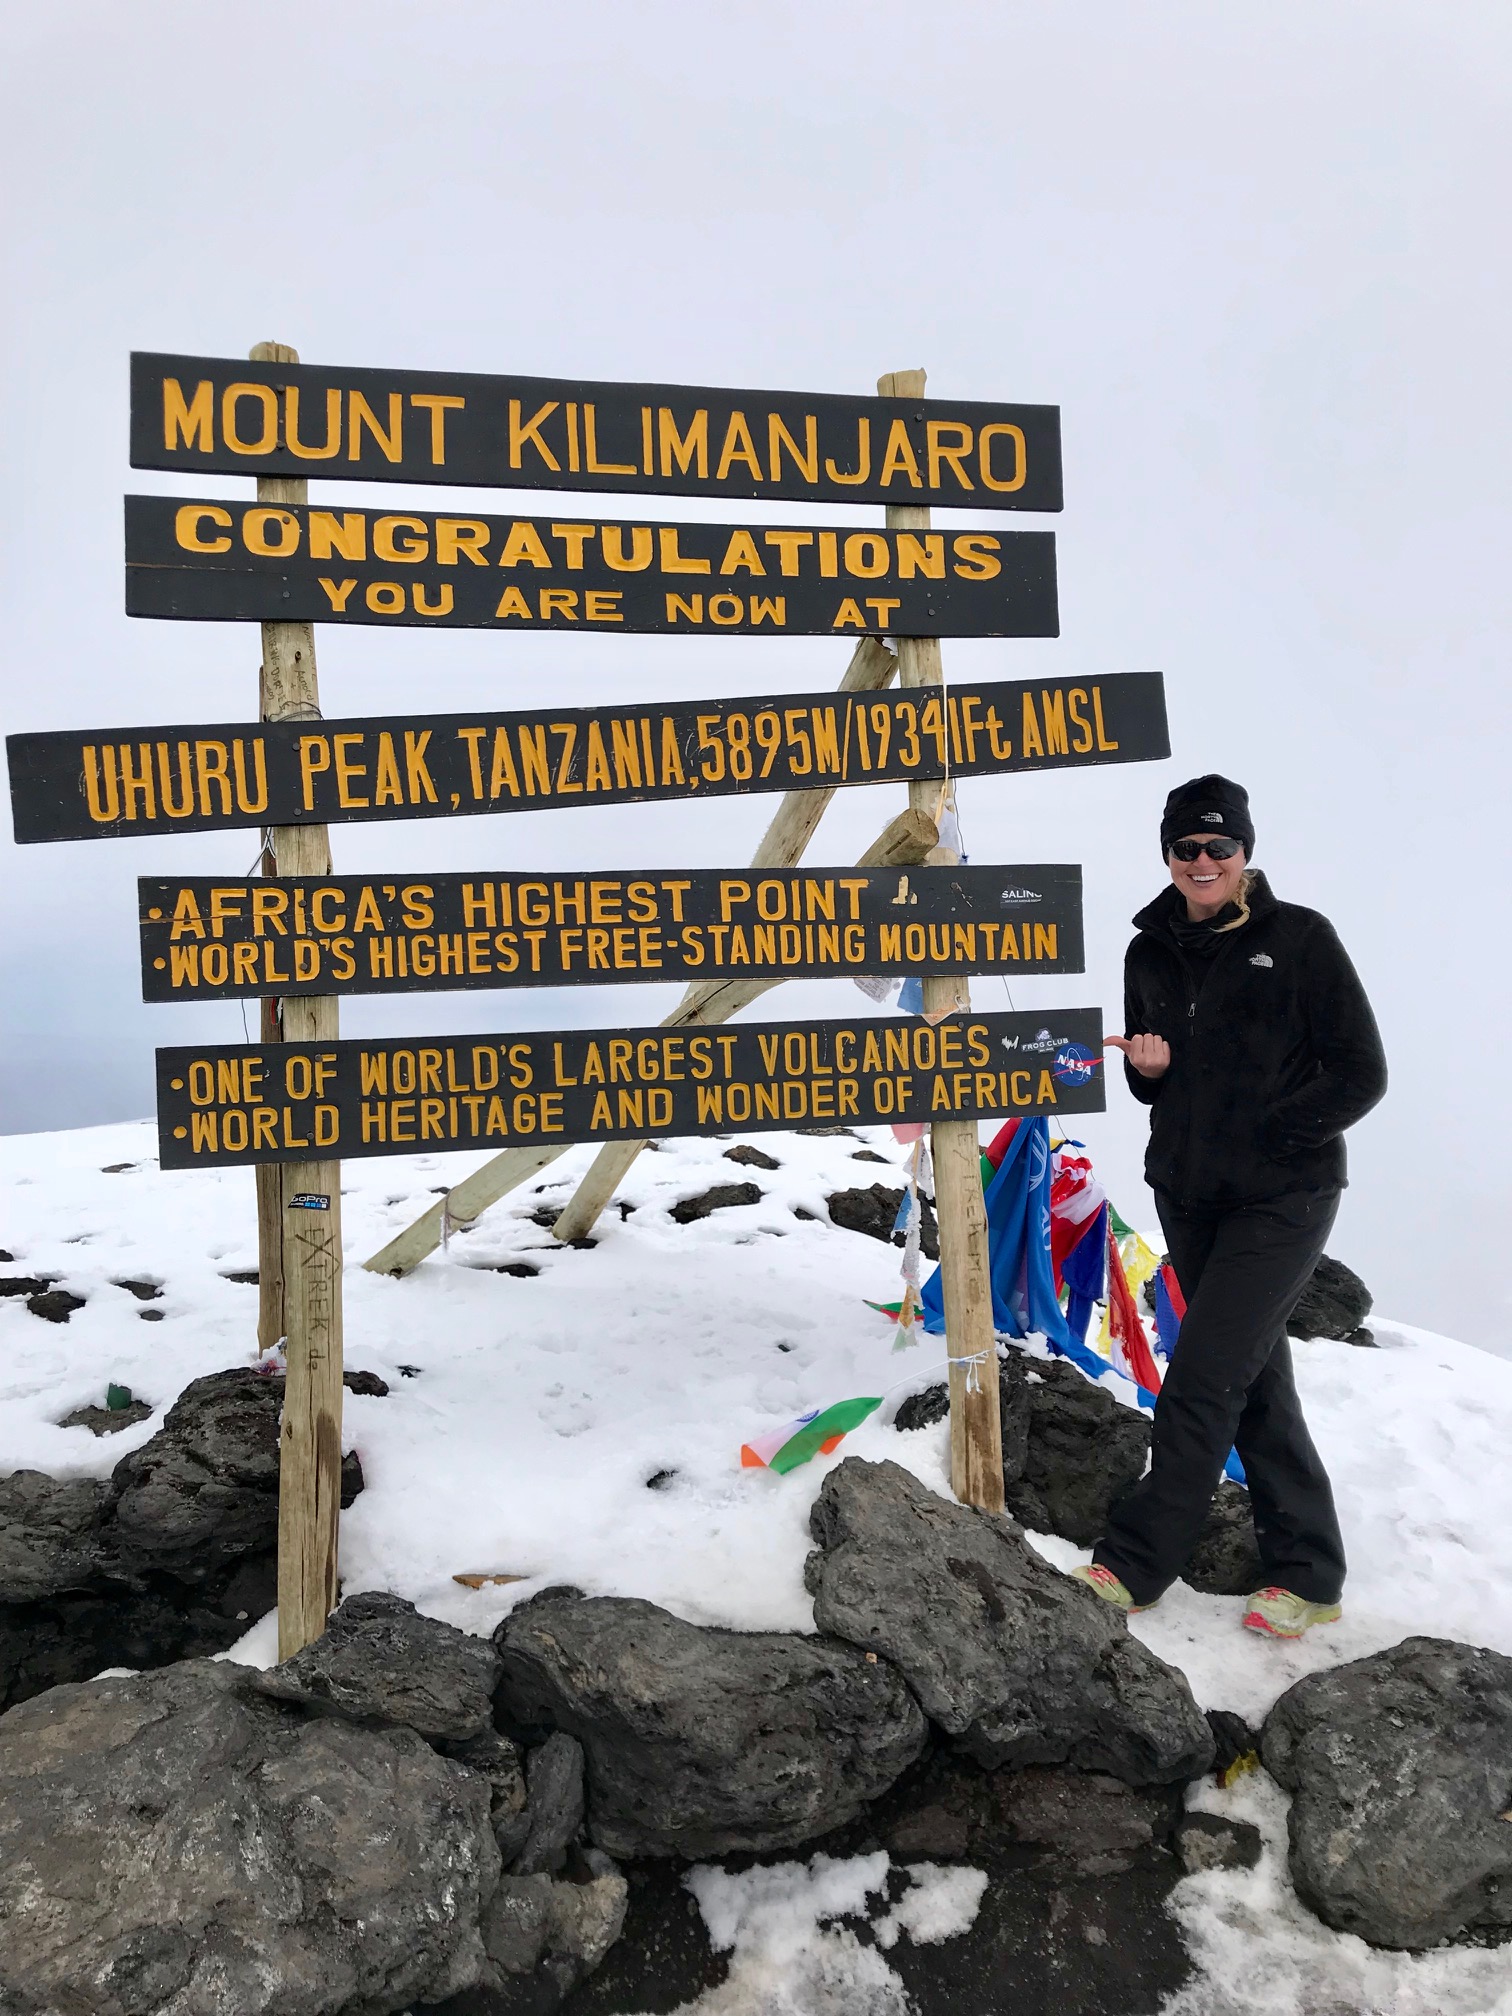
column 1246, row 883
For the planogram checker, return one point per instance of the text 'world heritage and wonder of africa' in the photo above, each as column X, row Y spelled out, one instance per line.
column 249, row 1103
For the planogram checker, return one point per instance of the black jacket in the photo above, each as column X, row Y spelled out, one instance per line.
column 1274, row 1052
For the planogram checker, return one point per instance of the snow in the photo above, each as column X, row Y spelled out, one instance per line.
column 788, row 1958
column 541, row 1408
column 1258, row 1952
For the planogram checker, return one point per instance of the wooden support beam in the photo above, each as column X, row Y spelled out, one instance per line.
column 872, row 667
column 299, row 1243
column 976, row 1446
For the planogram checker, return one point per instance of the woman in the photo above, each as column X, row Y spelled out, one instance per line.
column 1250, row 1038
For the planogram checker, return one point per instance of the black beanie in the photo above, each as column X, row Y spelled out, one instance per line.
column 1211, row 804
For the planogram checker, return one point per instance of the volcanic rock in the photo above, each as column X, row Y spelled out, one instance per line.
column 705, row 1742
column 1334, row 1303
column 1016, row 1661
column 174, row 1842
column 174, row 1557
column 1226, row 1560
column 380, row 1661
column 718, row 1197
column 874, row 1211
column 1400, row 1767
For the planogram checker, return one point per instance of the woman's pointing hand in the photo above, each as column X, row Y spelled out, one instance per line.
column 1149, row 1055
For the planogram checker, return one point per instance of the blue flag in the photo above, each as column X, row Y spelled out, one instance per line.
column 1085, row 1273
column 1018, row 1235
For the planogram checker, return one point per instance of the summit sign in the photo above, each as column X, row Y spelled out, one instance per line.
column 206, row 415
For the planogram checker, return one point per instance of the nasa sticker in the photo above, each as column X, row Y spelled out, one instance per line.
column 1073, row 1064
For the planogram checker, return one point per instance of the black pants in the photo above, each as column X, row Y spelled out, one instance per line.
column 1229, row 1383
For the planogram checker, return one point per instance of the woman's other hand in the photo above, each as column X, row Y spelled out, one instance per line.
column 1149, row 1055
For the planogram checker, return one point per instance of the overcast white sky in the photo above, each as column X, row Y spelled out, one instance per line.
column 1256, row 255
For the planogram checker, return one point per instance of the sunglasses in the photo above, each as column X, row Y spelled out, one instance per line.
column 1217, row 849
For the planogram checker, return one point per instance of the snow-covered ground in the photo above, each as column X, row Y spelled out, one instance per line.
column 541, row 1408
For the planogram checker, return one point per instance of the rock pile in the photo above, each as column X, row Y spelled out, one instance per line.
column 347, row 1831
column 174, row 1555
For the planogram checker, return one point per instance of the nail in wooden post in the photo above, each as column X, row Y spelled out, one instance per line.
column 976, row 1435
column 299, row 1241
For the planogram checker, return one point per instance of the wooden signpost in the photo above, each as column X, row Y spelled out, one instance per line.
column 296, row 1102
column 206, row 939
column 201, row 415
column 299, row 1205
column 976, row 1442
column 216, row 560
column 228, row 1105
column 107, row 783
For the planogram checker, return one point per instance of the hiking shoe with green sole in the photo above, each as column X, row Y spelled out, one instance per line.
column 1280, row 1614
column 1103, row 1582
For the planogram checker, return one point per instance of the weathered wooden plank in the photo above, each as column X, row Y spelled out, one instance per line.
column 232, row 561
column 228, row 1105
column 209, row 414
column 209, row 938
column 120, row 783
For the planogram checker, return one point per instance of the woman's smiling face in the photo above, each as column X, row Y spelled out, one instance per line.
column 1206, row 884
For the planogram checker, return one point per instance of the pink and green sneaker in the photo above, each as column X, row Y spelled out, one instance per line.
column 1104, row 1583
column 1279, row 1614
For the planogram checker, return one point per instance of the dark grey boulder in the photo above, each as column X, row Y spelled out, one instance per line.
column 1334, row 1303
column 1226, row 1560
column 1400, row 1767
column 1210, row 1841
column 51, row 1534
column 1082, row 1448
column 204, row 1489
column 543, row 1938
column 1014, row 1660
column 1086, row 1821
column 381, row 1661
column 874, row 1210
column 175, row 1843
column 718, row 1197
column 174, row 1557
column 107, row 1420
column 554, row 1787
column 753, row 1158
column 705, row 1742
column 54, row 1305
column 24, row 1284
column 1070, row 1449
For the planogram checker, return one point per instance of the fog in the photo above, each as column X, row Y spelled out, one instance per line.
column 1257, row 257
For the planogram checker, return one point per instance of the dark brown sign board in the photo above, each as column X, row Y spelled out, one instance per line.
column 202, row 415
column 221, row 1106
column 110, row 783
column 222, row 560
column 207, row 938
